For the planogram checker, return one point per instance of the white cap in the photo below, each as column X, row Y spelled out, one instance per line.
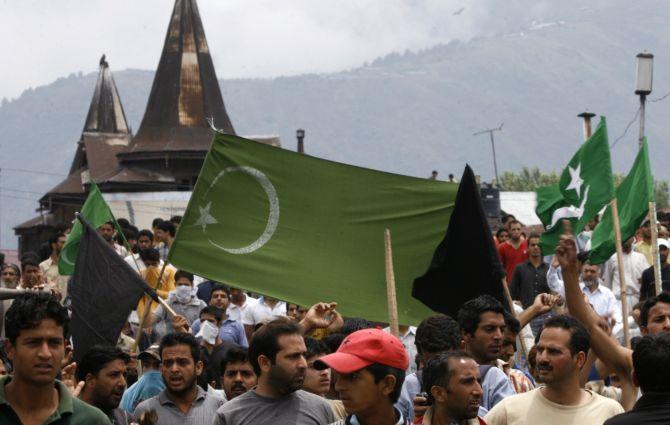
column 663, row 242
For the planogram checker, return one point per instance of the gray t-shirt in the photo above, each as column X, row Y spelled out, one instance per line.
column 299, row 407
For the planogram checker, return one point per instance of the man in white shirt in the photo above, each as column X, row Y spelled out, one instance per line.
column 634, row 264
column 407, row 335
column 600, row 297
column 264, row 310
column 145, row 240
column 239, row 302
column 107, row 232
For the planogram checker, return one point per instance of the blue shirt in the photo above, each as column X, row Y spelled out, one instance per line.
column 229, row 331
column 496, row 387
column 149, row 385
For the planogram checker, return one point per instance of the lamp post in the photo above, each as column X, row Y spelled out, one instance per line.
column 300, row 135
column 493, row 148
column 586, row 116
column 643, row 79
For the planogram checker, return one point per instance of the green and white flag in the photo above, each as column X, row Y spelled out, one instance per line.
column 96, row 211
column 304, row 230
column 584, row 189
column 633, row 197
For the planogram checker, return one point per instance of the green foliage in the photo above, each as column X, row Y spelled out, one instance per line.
column 529, row 179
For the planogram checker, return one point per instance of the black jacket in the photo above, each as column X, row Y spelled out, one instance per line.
column 651, row 408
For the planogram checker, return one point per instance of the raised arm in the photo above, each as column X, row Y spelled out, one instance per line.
column 543, row 304
column 616, row 357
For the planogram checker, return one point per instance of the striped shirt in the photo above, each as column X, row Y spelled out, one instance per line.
column 202, row 411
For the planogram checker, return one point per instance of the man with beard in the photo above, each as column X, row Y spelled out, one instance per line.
column 648, row 286
column 451, row 381
column 561, row 354
column 102, row 371
column 182, row 402
column 36, row 326
column 600, row 297
column 237, row 374
column 49, row 267
column 654, row 319
column 107, row 233
column 277, row 354
column 482, row 323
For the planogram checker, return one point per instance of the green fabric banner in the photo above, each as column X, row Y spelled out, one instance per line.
column 633, row 197
column 96, row 211
column 585, row 187
column 305, row 230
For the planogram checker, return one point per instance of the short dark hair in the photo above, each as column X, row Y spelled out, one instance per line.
column 533, row 235
column 513, row 221
column 651, row 352
column 146, row 232
column 380, row 371
column 166, row 226
column 150, row 254
column 183, row 273
column 55, row 237
column 175, row 219
column 663, row 297
column 210, row 309
column 221, row 287
column 129, row 234
column 353, row 324
column 333, row 341
column 315, row 347
column 501, row 230
column 265, row 341
column 29, row 261
column 123, row 222
column 470, row 313
column 96, row 358
column 583, row 257
column 512, row 323
column 437, row 333
column 437, row 370
column 180, row 338
column 156, row 221
column 29, row 310
column 580, row 340
column 234, row 354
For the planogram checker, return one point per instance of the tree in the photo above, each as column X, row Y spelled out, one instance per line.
column 529, row 179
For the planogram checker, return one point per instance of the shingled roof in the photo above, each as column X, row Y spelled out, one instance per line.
column 185, row 91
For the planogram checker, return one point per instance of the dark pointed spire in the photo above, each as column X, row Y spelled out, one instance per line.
column 185, row 92
column 105, row 114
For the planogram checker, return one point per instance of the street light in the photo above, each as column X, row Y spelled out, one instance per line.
column 300, row 134
column 643, row 80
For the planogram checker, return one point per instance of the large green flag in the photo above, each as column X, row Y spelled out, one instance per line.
column 584, row 189
column 96, row 211
column 633, row 197
column 304, row 229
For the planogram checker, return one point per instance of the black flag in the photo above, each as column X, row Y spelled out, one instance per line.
column 466, row 263
column 104, row 290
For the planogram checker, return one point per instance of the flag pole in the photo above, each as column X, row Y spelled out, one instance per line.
column 654, row 247
column 510, row 302
column 622, row 279
column 390, row 285
column 147, row 310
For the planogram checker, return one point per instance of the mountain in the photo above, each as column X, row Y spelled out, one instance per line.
column 406, row 113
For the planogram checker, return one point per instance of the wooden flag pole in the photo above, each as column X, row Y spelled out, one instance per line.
column 654, row 247
column 390, row 285
column 147, row 310
column 622, row 279
column 510, row 302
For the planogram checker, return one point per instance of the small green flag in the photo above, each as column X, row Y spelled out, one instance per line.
column 96, row 211
column 585, row 188
column 633, row 197
column 304, row 230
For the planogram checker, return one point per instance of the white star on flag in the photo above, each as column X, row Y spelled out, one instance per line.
column 575, row 180
column 205, row 217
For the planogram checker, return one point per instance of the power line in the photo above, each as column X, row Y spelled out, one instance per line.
column 637, row 113
column 23, row 170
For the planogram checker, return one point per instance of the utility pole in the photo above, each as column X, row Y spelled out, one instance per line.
column 493, row 148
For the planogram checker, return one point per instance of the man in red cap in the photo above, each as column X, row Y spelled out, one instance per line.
column 371, row 368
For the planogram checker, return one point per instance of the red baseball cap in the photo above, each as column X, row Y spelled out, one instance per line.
column 365, row 347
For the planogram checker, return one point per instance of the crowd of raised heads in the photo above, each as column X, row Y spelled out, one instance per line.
column 229, row 356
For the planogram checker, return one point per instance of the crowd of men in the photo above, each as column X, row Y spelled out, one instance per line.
column 231, row 357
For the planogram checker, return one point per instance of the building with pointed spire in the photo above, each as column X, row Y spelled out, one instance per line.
column 106, row 133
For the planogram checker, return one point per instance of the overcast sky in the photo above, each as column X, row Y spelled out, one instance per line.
column 49, row 39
